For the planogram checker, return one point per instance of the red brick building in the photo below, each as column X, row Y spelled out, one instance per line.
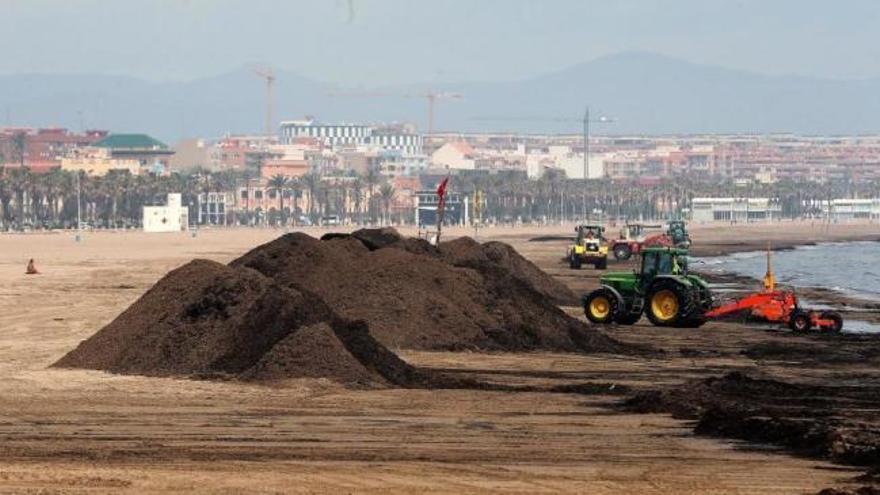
column 41, row 149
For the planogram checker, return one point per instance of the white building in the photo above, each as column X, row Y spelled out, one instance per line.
column 562, row 158
column 172, row 217
column 407, row 144
column 331, row 134
column 392, row 163
column 215, row 207
column 853, row 209
column 735, row 209
column 457, row 155
column 352, row 136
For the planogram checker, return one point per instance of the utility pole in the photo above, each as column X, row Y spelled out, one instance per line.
column 586, row 122
column 78, row 202
column 586, row 160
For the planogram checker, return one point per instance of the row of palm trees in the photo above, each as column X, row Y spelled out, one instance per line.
column 31, row 200
column 49, row 200
column 554, row 198
column 358, row 199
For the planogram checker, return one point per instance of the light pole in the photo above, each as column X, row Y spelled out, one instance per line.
column 78, row 202
column 586, row 121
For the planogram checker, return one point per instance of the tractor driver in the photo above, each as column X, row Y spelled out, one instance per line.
column 672, row 265
column 677, row 267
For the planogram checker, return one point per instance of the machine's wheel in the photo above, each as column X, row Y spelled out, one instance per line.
column 622, row 252
column 601, row 264
column 601, row 306
column 669, row 304
column 834, row 316
column 629, row 318
column 574, row 261
column 800, row 322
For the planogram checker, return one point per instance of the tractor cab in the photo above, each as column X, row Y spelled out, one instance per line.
column 636, row 231
column 632, row 231
column 663, row 261
column 593, row 234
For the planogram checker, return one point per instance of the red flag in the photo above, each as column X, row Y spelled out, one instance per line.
column 441, row 189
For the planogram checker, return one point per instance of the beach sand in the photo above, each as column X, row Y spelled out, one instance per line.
column 72, row 431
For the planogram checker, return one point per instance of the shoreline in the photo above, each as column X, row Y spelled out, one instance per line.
column 717, row 249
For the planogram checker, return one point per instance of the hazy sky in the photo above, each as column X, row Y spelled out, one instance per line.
column 357, row 42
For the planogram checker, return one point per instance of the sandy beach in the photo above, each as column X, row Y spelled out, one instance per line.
column 73, row 431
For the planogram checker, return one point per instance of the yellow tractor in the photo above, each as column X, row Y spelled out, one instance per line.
column 589, row 247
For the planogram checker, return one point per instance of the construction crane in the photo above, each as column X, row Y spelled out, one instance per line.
column 432, row 98
column 430, row 95
column 269, row 75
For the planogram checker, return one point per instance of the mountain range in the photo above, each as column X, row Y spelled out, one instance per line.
column 643, row 93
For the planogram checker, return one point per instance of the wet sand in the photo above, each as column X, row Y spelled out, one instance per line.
column 80, row 431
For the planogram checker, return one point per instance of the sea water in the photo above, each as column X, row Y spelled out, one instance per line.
column 850, row 267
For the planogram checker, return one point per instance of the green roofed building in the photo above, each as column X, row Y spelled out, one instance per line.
column 151, row 153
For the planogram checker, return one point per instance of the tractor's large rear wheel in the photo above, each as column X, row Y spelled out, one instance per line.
column 601, row 306
column 669, row 304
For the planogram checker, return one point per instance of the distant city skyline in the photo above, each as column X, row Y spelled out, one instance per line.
column 380, row 42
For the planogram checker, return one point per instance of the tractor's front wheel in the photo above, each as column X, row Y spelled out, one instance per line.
column 574, row 261
column 601, row 306
column 622, row 252
column 800, row 322
column 601, row 264
column 669, row 305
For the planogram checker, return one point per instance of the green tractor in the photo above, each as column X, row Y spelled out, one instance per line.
column 677, row 232
column 663, row 290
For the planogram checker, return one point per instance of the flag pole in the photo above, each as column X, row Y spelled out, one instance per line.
column 441, row 207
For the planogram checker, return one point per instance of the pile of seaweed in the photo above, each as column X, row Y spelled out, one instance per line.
column 458, row 296
column 837, row 422
column 209, row 320
column 300, row 307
